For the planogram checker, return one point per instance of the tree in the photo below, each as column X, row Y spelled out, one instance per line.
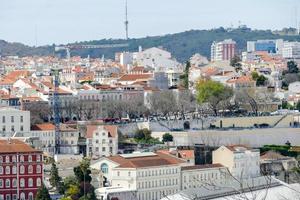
column 55, row 179
column 42, row 193
column 298, row 105
column 261, row 80
column 83, row 176
column 292, row 67
column 143, row 134
column 167, row 137
column 212, row 93
column 236, row 63
column 254, row 75
column 185, row 77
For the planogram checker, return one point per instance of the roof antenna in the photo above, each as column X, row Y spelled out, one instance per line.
column 126, row 20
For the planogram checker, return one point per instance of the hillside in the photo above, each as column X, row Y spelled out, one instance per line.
column 182, row 45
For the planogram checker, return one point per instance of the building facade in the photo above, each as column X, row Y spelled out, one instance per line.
column 21, row 170
column 241, row 161
column 222, row 51
column 13, row 120
column 102, row 140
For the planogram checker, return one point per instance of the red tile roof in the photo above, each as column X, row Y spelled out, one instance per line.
column 135, row 77
column 43, row 127
column 15, row 146
column 159, row 159
column 111, row 129
column 217, row 165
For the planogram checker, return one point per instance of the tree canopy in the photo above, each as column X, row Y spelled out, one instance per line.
column 42, row 193
column 167, row 137
column 212, row 93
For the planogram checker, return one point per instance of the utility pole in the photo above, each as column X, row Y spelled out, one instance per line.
column 126, row 20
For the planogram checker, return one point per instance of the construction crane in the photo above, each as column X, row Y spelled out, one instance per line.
column 68, row 48
column 56, row 108
column 126, row 20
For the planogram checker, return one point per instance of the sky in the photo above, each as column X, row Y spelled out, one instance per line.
column 40, row 22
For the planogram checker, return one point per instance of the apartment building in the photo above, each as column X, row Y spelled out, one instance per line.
column 291, row 50
column 152, row 175
column 224, row 50
column 241, row 161
column 21, row 170
column 102, row 140
column 13, row 120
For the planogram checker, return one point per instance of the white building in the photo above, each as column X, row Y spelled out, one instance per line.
column 69, row 136
column 291, row 50
column 46, row 134
column 198, row 175
column 158, row 59
column 102, row 140
column 241, row 161
column 13, row 120
column 152, row 175
column 294, row 88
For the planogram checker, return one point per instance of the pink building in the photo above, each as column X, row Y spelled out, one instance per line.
column 224, row 50
column 21, row 170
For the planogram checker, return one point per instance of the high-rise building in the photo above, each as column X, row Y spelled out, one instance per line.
column 271, row 46
column 21, row 170
column 224, row 50
column 291, row 50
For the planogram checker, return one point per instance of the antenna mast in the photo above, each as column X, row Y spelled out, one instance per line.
column 126, row 20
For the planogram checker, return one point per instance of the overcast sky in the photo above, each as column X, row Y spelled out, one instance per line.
column 63, row 21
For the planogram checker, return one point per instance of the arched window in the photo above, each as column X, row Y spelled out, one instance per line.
column 22, row 196
column 1, row 170
column 7, row 183
column 14, row 159
column 38, row 182
column 14, row 182
column 38, row 158
column 1, row 159
column 104, row 168
column 7, row 170
column 30, row 169
column 21, row 158
column 29, row 158
column 22, row 169
column 38, row 169
column 30, row 182
column 14, row 170
column 7, row 159
column 30, row 196
column 22, row 182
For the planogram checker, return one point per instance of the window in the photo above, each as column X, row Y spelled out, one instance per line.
column 1, row 183
column 7, row 197
column 38, row 158
column 97, row 141
column 30, row 182
column 3, row 128
column 103, row 134
column 14, row 197
column 118, row 173
column 103, row 149
column 38, row 182
column 14, row 159
column 14, row 182
column 7, row 159
column 21, row 128
column 22, row 169
column 21, row 158
column 30, row 169
column 30, row 196
column 22, row 182
column 3, row 119
column 1, row 159
column 22, row 196
column 104, row 168
column 38, row 169
column 7, row 170
column 1, row 170
column 12, row 128
column 7, row 183
column 29, row 158
column 103, row 141
column 21, row 118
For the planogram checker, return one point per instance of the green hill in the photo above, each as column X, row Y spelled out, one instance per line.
column 182, row 45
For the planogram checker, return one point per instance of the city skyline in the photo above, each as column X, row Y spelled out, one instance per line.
column 46, row 22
